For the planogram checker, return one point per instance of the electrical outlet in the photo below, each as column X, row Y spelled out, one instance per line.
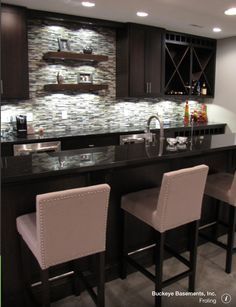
column 30, row 117
column 85, row 157
column 5, row 117
column 64, row 114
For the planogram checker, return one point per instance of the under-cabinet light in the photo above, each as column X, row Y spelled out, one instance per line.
column 231, row 11
column 142, row 14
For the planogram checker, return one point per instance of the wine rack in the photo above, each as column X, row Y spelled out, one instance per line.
column 203, row 63
column 189, row 64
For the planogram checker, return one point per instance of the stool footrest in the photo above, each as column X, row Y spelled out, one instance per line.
column 178, row 256
column 140, row 268
column 176, row 278
column 87, row 286
column 152, row 277
column 204, row 236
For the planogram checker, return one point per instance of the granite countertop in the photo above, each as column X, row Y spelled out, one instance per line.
column 99, row 158
column 91, row 131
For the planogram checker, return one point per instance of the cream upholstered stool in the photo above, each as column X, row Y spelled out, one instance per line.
column 177, row 202
column 67, row 225
column 222, row 186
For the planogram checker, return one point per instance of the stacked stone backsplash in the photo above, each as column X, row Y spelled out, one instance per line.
column 83, row 110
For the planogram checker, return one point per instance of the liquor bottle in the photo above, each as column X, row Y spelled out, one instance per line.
column 186, row 113
column 204, row 89
column 204, row 113
column 198, row 88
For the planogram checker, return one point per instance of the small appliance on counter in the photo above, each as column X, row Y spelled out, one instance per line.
column 21, row 125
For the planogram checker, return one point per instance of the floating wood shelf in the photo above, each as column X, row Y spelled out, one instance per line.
column 73, row 56
column 82, row 87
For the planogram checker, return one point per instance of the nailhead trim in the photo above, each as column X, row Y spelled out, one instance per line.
column 166, row 196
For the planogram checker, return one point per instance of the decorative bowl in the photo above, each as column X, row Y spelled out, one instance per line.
column 171, row 141
column 182, row 139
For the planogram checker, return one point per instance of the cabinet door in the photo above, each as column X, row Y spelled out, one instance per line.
column 137, row 61
column 153, row 61
column 14, row 54
column 139, row 50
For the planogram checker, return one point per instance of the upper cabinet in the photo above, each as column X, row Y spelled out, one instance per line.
column 189, row 65
column 139, row 61
column 14, row 53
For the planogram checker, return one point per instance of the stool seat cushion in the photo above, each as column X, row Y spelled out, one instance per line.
column 142, row 204
column 220, row 187
column 26, row 226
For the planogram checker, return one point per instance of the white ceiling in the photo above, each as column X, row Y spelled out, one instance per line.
column 178, row 15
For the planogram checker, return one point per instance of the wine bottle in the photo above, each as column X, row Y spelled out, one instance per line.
column 186, row 113
column 198, row 88
column 204, row 89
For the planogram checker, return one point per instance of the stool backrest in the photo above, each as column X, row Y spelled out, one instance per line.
column 180, row 198
column 71, row 223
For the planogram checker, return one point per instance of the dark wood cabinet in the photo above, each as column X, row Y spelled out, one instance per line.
column 189, row 65
column 14, row 53
column 139, row 61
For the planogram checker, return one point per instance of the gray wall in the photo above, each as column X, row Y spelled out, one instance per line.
column 223, row 108
column 83, row 110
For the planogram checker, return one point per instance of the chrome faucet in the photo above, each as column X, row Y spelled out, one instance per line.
column 157, row 117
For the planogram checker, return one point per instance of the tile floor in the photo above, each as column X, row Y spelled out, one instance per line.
column 136, row 290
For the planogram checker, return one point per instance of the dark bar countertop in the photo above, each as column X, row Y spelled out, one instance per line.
column 91, row 131
column 43, row 165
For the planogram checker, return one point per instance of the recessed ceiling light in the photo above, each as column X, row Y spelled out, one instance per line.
column 216, row 29
column 88, row 4
column 142, row 14
column 231, row 11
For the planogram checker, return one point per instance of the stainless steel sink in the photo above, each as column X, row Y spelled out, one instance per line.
column 133, row 138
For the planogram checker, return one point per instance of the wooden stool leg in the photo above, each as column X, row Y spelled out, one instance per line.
column 230, row 239
column 193, row 254
column 160, row 240
column 28, row 296
column 217, row 214
column 123, row 273
column 45, row 288
column 76, row 283
column 101, row 280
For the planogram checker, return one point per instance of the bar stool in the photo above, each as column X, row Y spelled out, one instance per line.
column 68, row 225
column 177, row 202
column 222, row 186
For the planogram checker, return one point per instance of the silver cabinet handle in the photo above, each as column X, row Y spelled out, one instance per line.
column 148, row 87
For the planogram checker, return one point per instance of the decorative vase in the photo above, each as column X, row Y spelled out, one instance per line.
column 60, row 78
column 87, row 50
